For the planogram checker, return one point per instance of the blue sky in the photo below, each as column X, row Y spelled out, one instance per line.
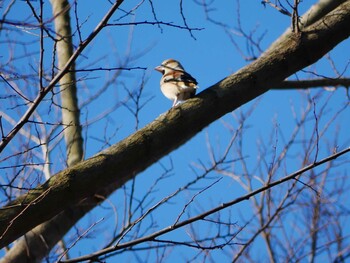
column 209, row 57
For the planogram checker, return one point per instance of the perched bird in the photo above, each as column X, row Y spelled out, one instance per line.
column 176, row 84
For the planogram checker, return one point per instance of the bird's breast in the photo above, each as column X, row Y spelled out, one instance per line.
column 170, row 90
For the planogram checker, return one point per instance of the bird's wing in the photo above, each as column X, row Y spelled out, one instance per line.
column 181, row 76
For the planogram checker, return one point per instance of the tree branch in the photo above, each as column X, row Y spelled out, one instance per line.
column 313, row 83
column 177, row 225
column 57, row 78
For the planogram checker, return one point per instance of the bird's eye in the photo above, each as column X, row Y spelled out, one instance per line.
column 163, row 71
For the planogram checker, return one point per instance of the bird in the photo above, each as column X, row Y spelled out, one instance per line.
column 176, row 84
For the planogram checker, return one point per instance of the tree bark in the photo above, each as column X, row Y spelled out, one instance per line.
column 68, row 89
column 123, row 161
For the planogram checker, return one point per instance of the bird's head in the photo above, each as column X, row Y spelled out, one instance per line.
column 169, row 65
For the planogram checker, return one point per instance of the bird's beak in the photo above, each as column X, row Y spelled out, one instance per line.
column 159, row 68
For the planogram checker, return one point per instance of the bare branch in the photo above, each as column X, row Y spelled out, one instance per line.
column 169, row 24
column 313, row 83
column 56, row 79
column 280, row 8
column 152, row 237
